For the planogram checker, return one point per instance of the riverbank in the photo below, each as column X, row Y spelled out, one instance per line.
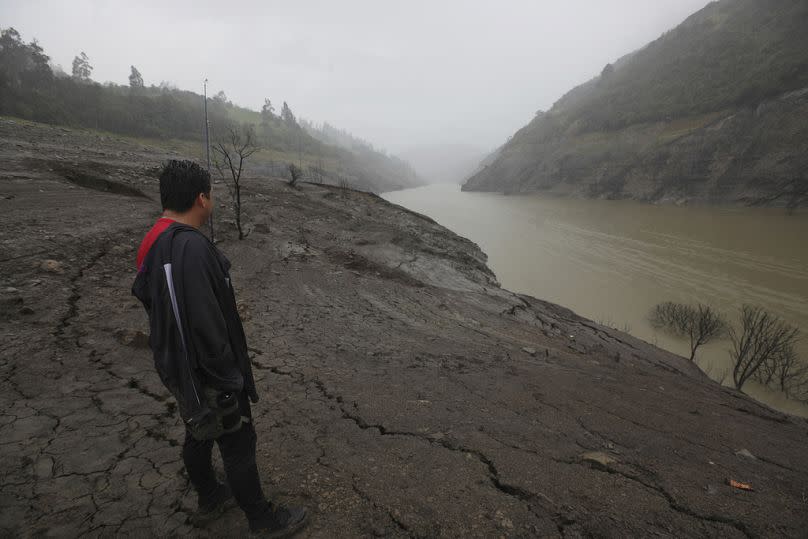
column 613, row 261
column 404, row 393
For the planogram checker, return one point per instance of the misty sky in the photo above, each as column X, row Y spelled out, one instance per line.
column 400, row 74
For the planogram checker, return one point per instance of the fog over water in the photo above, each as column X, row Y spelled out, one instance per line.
column 399, row 74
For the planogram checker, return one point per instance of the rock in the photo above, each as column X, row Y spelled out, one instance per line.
column 598, row 459
column 745, row 453
column 529, row 350
column 52, row 266
column 25, row 311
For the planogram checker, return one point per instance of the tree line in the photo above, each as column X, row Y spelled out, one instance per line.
column 30, row 88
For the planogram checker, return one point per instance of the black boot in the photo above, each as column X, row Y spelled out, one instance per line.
column 279, row 521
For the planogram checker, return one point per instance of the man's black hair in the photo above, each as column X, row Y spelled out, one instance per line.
column 180, row 184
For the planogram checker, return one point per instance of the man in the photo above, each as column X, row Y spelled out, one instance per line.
column 200, row 351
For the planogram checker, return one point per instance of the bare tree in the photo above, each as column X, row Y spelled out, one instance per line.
column 700, row 323
column 233, row 149
column 295, row 173
column 786, row 373
column 763, row 339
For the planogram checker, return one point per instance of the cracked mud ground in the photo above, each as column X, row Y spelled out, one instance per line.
column 403, row 393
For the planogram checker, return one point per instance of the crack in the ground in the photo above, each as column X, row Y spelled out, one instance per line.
column 75, row 292
column 538, row 504
column 530, row 499
column 493, row 474
column 64, row 335
column 673, row 503
column 389, row 512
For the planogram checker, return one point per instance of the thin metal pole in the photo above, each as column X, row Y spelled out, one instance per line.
column 207, row 136
column 207, row 149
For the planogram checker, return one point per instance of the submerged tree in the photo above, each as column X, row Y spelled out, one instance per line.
column 786, row 373
column 764, row 341
column 700, row 323
column 231, row 151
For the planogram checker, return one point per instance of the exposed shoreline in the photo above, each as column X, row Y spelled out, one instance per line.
column 571, row 244
column 404, row 393
column 677, row 202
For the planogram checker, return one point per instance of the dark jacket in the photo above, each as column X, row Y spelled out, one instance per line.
column 196, row 334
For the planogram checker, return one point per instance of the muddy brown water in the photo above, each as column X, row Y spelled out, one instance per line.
column 612, row 261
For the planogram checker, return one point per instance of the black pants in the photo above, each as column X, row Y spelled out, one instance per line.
column 238, row 455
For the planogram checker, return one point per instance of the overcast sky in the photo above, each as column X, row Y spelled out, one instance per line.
column 400, row 74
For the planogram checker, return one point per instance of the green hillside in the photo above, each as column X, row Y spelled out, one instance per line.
column 31, row 89
column 712, row 110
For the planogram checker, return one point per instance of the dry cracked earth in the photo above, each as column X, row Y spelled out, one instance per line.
column 403, row 393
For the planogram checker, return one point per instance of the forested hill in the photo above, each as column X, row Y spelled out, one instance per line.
column 377, row 162
column 31, row 88
column 715, row 110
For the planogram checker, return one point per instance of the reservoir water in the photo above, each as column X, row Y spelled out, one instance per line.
column 612, row 261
